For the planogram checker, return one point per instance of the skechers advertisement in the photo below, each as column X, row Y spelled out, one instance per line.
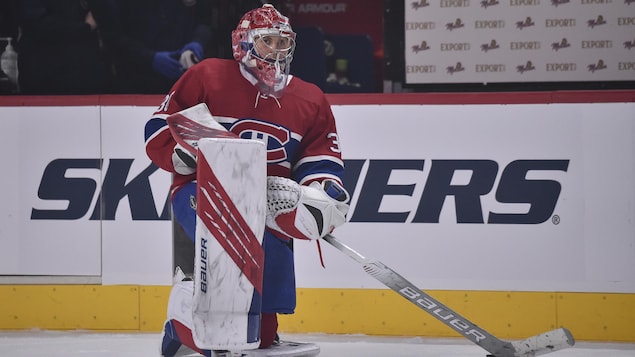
column 532, row 197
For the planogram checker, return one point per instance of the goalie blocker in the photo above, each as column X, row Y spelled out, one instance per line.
column 231, row 176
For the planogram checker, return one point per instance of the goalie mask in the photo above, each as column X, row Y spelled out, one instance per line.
column 264, row 43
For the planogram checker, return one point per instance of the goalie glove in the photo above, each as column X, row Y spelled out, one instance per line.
column 305, row 212
column 184, row 162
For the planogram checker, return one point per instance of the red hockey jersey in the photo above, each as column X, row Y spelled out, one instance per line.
column 298, row 128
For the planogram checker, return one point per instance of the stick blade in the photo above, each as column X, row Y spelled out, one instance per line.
column 544, row 343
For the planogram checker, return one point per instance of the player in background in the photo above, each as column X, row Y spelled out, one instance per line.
column 255, row 97
column 152, row 42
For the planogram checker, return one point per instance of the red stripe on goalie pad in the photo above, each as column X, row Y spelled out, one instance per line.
column 187, row 131
column 185, row 336
column 221, row 217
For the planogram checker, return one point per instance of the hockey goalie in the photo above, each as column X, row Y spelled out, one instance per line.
column 256, row 165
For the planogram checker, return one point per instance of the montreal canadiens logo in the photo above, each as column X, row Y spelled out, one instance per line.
column 275, row 137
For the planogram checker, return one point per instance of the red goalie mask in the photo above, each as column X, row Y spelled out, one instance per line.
column 264, row 43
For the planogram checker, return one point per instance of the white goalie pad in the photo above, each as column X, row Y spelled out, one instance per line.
column 228, row 266
column 194, row 123
column 180, row 303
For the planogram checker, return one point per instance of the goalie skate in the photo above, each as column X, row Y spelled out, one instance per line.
column 280, row 349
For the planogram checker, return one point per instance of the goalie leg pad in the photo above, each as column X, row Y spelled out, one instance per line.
column 178, row 327
column 175, row 336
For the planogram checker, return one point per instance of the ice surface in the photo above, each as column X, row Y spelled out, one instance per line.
column 90, row 344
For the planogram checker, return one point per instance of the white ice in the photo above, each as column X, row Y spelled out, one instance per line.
column 90, row 344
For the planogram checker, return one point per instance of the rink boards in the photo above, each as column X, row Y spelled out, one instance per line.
column 514, row 209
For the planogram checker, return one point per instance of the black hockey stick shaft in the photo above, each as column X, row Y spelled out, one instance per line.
column 533, row 346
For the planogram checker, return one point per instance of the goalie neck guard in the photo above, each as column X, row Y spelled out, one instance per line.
column 263, row 42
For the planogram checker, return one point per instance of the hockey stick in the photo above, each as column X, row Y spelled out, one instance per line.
column 533, row 346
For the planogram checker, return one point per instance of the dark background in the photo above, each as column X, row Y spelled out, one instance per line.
column 367, row 34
